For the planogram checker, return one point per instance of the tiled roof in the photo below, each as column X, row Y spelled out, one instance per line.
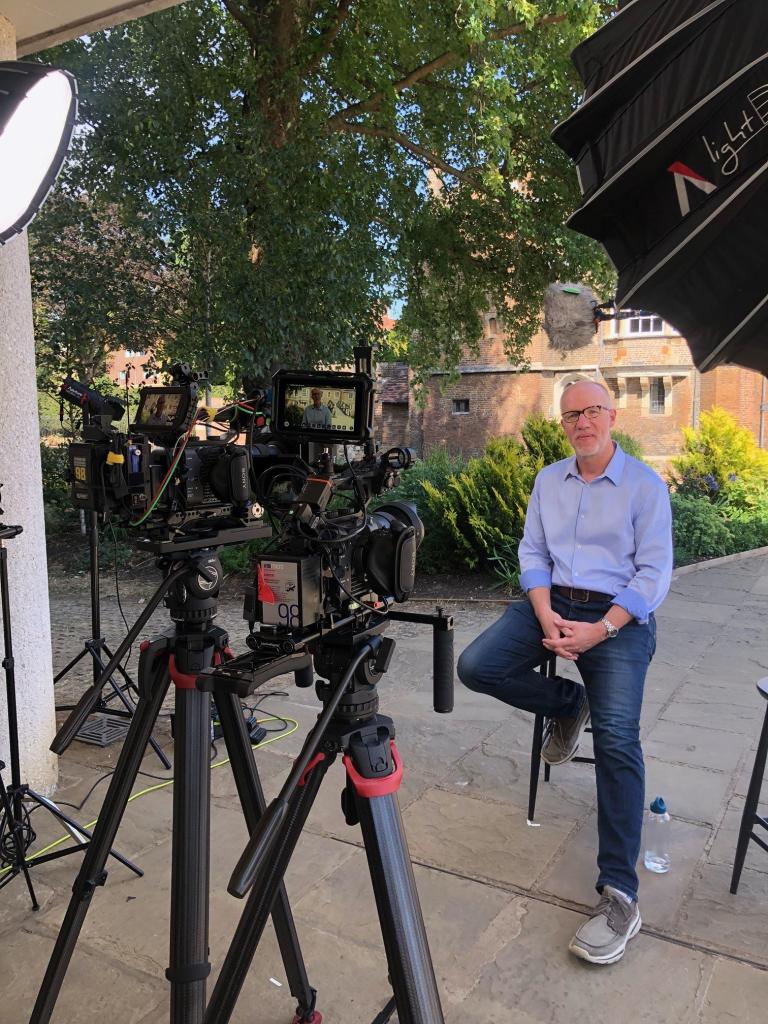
column 393, row 382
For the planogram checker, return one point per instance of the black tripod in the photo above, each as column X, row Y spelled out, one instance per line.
column 191, row 585
column 16, row 832
column 353, row 660
column 96, row 647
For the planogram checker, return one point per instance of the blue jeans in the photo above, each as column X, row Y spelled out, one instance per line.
column 503, row 662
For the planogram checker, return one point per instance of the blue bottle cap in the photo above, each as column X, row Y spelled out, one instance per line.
column 658, row 806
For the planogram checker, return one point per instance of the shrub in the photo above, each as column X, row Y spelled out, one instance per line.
column 238, row 558
column 483, row 507
column 545, row 440
column 698, row 529
column 721, row 461
column 437, row 551
column 628, row 443
column 59, row 513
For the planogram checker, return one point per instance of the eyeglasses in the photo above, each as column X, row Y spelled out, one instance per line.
column 591, row 412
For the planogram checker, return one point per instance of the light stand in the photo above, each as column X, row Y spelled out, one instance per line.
column 16, row 833
column 96, row 646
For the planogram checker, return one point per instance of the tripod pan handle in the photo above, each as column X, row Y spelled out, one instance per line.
column 258, row 848
column 442, row 669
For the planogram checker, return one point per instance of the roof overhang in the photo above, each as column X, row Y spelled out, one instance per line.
column 40, row 24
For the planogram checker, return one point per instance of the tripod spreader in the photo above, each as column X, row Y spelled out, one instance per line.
column 268, row 830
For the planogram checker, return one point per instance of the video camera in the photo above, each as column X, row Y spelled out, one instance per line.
column 329, row 551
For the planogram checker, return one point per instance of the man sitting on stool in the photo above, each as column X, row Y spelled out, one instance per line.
column 596, row 561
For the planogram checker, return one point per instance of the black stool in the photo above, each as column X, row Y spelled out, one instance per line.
column 750, row 816
column 540, row 735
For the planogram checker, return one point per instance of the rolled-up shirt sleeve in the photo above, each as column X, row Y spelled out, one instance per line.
column 535, row 561
column 653, row 556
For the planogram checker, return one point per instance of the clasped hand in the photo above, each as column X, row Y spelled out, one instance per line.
column 568, row 639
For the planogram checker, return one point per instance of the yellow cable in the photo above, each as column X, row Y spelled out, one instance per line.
column 164, row 785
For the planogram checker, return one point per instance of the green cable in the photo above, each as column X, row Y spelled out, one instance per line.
column 164, row 785
column 162, row 490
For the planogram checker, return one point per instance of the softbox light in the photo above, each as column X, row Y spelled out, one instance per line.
column 671, row 146
column 38, row 107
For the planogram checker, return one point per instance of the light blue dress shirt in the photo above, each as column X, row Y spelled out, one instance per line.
column 612, row 535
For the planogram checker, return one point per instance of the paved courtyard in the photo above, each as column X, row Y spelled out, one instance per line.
column 501, row 897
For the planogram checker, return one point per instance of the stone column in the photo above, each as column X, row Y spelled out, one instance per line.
column 22, row 500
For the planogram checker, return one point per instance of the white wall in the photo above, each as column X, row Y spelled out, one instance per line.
column 22, row 500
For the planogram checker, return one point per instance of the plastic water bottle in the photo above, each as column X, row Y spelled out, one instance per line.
column 657, row 829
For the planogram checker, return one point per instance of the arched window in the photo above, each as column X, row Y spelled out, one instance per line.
column 561, row 385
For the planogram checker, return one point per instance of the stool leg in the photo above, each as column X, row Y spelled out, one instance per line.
column 750, row 806
column 538, row 733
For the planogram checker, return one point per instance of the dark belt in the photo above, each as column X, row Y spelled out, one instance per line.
column 582, row 596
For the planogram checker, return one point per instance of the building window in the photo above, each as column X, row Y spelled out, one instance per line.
column 658, row 397
column 460, row 406
column 492, row 326
column 645, row 325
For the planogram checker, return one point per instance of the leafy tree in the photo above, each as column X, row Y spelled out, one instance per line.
column 98, row 286
column 308, row 162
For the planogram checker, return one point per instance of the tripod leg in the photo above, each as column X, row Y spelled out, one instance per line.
column 402, row 926
column 260, row 901
column 189, row 966
column 13, row 824
column 92, row 870
column 253, row 803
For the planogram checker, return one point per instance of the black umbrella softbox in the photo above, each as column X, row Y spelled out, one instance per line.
column 671, row 146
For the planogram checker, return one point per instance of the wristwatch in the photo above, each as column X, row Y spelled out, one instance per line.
column 613, row 631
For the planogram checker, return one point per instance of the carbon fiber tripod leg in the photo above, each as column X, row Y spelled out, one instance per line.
column 260, row 902
column 402, row 925
column 253, row 803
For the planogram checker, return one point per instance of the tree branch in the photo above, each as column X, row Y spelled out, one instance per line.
column 244, row 19
column 444, row 60
column 429, row 157
column 328, row 37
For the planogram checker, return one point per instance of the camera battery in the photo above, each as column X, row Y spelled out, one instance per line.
column 289, row 590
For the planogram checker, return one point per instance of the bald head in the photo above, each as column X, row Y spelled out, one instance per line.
column 584, row 393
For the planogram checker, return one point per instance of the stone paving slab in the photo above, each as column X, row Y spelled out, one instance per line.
column 691, row 745
column 573, row 874
column 534, row 980
column 709, row 914
column 481, row 840
column 736, row 994
column 695, row 794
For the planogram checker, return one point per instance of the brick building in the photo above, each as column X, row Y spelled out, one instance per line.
column 127, row 367
column 644, row 362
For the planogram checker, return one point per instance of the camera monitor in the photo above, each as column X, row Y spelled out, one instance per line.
column 165, row 413
column 334, row 407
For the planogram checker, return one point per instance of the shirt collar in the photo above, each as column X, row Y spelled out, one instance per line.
column 614, row 470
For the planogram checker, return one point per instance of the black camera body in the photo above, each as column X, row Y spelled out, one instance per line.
column 140, row 476
column 330, row 553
